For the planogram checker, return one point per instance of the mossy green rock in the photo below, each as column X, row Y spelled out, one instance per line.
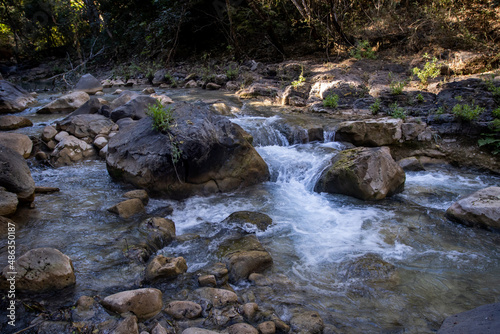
column 364, row 173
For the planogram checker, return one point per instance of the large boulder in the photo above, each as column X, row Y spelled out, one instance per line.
column 245, row 256
column 20, row 143
column 87, row 126
column 135, row 108
column 15, row 175
column 364, row 173
column 144, row 303
column 11, row 122
column 484, row 319
column 481, row 208
column 92, row 106
column 212, row 155
column 13, row 98
column 89, row 84
column 42, row 269
column 375, row 132
column 68, row 102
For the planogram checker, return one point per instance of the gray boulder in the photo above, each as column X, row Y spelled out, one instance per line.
column 484, row 319
column 42, row 269
column 11, row 122
column 20, row 143
column 481, row 208
column 249, row 218
column 217, row 297
column 183, row 309
column 68, row 102
column 364, row 173
column 371, row 133
column 124, row 97
column 89, row 84
column 135, row 108
column 204, row 153
column 15, row 175
column 87, row 126
column 13, row 98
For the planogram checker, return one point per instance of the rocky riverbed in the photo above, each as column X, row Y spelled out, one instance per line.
column 279, row 236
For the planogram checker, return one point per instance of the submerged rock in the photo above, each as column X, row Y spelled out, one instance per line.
column 242, row 328
column 307, row 322
column 242, row 218
column 183, row 309
column 481, row 208
column 364, row 173
column 68, row 102
column 13, row 98
column 217, row 297
column 245, row 256
column 15, row 175
column 204, row 153
column 144, row 303
column 42, row 269
column 484, row 319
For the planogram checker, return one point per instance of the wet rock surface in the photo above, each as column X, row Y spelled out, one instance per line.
column 13, row 98
column 364, row 173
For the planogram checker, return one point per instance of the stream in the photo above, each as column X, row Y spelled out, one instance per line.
column 322, row 244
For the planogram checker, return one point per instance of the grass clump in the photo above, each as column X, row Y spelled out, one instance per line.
column 162, row 116
column 397, row 112
column 331, row 101
column 362, row 50
column 467, row 112
column 376, row 106
column 430, row 70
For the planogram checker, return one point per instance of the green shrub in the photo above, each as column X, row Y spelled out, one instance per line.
column 363, row 50
column 420, row 98
column 493, row 89
column 331, row 101
column 232, row 73
column 375, row 107
column 430, row 70
column 162, row 117
column 397, row 112
column 467, row 112
column 397, row 87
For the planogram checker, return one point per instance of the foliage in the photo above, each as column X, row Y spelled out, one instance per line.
column 420, row 98
column 232, row 73
column 397, row 87
column 375, row 107
column 162, row 117
column 467, row 112
column 300, row 81
column 492, row 139
column 490, row 85
column 397, row 112
column 363, row 50
column 430, row 70
column 331, row 101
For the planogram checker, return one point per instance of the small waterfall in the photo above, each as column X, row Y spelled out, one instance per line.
column 329, row 135
column 264, row 130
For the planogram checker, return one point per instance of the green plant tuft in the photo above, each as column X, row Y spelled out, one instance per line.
column 363, row 50
column 162, row 117
column 331, row 101
column 430, row 70
column 397, row 112
column 467, row 112
column 375, row 107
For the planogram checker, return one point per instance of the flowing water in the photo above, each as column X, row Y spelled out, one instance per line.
column 393, row 266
